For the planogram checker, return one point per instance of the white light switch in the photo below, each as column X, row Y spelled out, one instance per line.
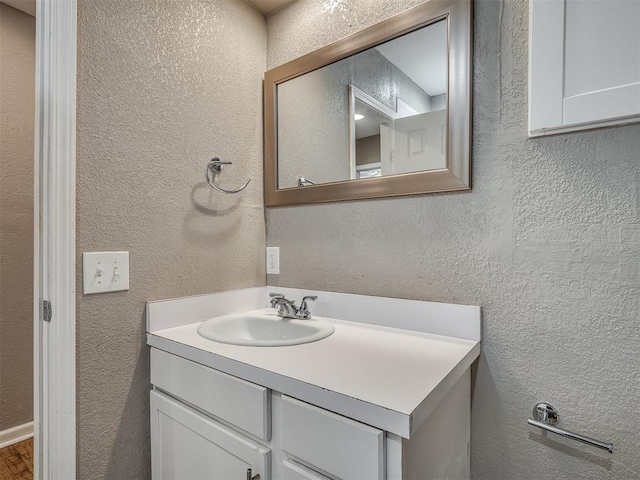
column 105, row 271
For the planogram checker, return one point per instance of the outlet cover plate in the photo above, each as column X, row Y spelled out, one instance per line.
column 105, row 272
column 273, row 260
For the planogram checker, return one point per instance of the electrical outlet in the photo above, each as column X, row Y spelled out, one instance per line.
column 273, row 260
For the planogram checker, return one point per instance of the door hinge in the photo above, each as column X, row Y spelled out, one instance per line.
column 46, row 310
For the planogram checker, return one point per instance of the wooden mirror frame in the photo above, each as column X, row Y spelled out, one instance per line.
column 456, row 175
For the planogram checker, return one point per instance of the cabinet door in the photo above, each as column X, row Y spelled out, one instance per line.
column 186, row 445
column 584, row 64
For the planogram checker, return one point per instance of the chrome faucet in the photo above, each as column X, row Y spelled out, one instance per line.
column 287, row 308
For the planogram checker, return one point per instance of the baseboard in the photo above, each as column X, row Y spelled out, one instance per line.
column 16, row 434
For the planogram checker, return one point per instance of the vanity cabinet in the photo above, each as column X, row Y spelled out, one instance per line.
column 208, row 424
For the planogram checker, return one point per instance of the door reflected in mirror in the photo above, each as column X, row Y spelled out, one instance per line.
column 380, row 112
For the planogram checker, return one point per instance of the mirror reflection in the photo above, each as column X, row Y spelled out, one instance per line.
column 380, row 112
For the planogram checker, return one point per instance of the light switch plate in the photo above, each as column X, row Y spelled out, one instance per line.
column 105, row 272
column 273, row 260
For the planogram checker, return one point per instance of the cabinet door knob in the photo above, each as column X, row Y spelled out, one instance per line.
column 255, row 477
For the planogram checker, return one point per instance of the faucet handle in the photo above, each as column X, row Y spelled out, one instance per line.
column 303, row 311
column 274, row 298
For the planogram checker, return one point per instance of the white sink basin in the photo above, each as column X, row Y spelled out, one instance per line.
column 263, row 328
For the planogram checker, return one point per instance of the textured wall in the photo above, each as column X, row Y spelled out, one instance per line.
column 163, row 85
column 313, row 128
column 17, row 104
column 547, row 242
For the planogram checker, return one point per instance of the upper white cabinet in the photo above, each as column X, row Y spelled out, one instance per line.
column 584, row 64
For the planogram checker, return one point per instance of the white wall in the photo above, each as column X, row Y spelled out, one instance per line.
column 547, row 242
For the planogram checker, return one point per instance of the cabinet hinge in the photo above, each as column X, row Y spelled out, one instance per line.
column 46, row 310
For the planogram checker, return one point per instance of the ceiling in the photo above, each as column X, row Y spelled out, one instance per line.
column 27, row 6
column 266, row 7
column 422, row 56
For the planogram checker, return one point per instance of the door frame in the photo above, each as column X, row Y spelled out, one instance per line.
column 356, row 94
column 54, row 240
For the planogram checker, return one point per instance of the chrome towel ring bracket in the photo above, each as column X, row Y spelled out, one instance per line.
column 214, row 167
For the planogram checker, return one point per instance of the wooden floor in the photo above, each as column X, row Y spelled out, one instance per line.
column 16, row 461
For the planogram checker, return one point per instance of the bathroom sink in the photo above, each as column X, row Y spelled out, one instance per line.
column 263, row 328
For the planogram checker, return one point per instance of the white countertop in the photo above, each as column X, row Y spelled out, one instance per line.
column 386, row 377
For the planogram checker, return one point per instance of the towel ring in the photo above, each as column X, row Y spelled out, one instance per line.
column 214, row 167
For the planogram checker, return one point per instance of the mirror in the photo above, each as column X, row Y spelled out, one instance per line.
column 381, row 113
column 378, row 112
